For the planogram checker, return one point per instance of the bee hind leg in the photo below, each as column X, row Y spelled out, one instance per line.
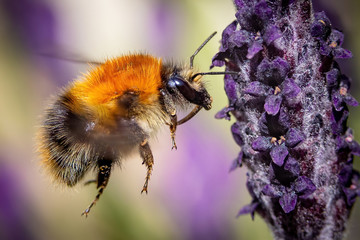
column 148, row 160
column 102, row 181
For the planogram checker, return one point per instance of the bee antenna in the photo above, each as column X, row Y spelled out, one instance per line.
column 214, row 73
column 199, row 48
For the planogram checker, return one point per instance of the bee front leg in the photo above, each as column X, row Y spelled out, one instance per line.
column 148, row 160
column 102, row 181
column 171, row 110
column 173, row 126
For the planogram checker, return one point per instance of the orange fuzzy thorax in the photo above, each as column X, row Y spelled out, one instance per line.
column 131, row 73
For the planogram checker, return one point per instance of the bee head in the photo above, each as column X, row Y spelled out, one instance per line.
column 190, row 88
column 187, row 83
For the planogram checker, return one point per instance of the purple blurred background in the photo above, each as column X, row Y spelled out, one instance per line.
column 191, row 194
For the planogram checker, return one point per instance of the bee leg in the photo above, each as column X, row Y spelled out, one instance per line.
column 148, row 160
column 173, row 125
column 102, row 181
column 171, row 110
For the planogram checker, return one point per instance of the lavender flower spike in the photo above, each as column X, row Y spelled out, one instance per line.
column 290, row 101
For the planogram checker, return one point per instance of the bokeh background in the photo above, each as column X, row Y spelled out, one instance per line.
column 191, row 194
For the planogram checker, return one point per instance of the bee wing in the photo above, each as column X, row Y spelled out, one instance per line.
column 126, row 132
column 70, row 58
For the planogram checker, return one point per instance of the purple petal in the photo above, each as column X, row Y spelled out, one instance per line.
column 239, row 3
column 218, row 60
column 283, row 119
column 272, row 104
column 272, row 172
column 257, row 89
column 294, row 137
column 224, row 113
column 345, row 81
column 237, row 135
column 341, row 53
column 346, row 142
column 351, row 101
column 239, row 38
column 355, row 147
column 231, row 88
column 245, row 18
column 278, row 123
column 263, row 124
column 254, row 49
column 322, row 16
column 336, row 36
column 237, row 162
column 350, row 196
column 273, row 191
column 338, row 119
column 249, row 209
column 292, row 166
column 271, row 34
column 272, row 73
column 350, row 185
column 340, row 143
column 288, row 202
column 263, row 11
column 278, row 154
column 324, row 50
column 261, row 144
column 319, row 30
column 332, row 77
column 278, row 174
column 337, row 100
column 263, row 70
column 282, row 66
column 345, row 175
column 228, row 31
column 217, row 63
column 290, row 88
column 304, row 186
column 321, row 27
column 355, row 178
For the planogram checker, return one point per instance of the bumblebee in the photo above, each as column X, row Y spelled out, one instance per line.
column 97, row 120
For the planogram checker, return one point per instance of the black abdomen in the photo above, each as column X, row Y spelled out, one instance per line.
column 64, row 141
column 72, row 143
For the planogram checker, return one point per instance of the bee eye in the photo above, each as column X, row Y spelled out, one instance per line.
column 184, row 88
